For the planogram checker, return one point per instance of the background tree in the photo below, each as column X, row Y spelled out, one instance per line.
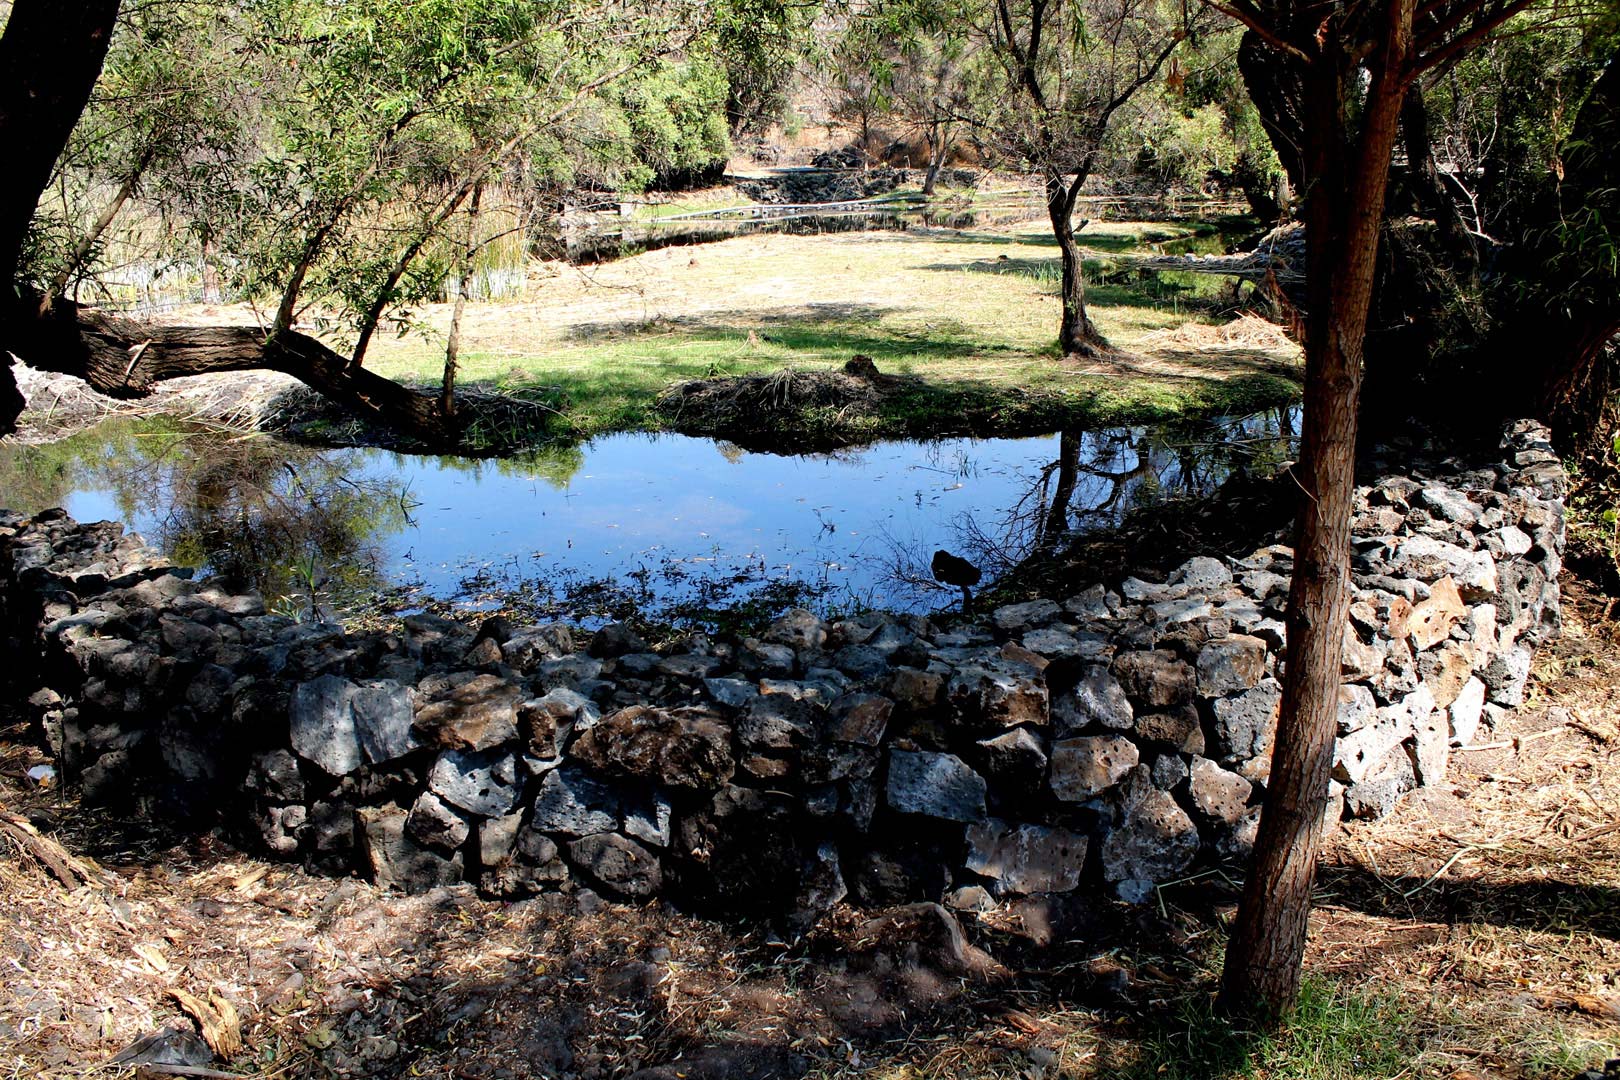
column 1055, row 77
column 355, row 135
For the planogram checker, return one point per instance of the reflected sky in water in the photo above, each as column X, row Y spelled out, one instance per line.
column 669, row 511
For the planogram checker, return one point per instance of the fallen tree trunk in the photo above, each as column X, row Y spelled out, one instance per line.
column 125, row 358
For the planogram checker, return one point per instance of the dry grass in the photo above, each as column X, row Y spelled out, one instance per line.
column 1476, row 934
column 960, row 308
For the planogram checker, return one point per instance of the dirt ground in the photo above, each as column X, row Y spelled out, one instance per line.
column 1485, row 914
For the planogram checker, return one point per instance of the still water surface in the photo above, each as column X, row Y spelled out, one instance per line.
column 652, row 521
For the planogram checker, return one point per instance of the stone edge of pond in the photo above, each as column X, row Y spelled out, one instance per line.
column 1115, row 740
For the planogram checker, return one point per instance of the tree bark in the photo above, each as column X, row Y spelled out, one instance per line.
column 1077, row 334
column 937, row 136
column 51, row 54
column 1344, row 214
column 452, row 345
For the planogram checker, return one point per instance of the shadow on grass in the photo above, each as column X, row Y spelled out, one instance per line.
column 1334, row 1034
column 1105, row 286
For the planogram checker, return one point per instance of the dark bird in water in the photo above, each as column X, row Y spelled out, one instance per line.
column 951, row 570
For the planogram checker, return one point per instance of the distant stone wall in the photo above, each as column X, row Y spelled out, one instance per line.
column 1114, row 740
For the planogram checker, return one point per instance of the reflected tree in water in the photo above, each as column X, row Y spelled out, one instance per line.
column 302, row 526
column 1097, row 478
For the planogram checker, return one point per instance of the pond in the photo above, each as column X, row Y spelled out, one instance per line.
column 665, row 527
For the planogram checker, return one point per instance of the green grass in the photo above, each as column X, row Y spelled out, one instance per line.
column 1335, row 1034
column 971, row 313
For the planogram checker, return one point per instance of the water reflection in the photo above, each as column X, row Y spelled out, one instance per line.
column 656, row 525
column 306, row 528
column 1094, row 479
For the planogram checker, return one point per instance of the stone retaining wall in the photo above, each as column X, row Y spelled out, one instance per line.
column 1116, row 739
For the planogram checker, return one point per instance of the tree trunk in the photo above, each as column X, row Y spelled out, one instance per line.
column 123, row 358
column 936, row 157
column 1275, row 83
column 51, row 54
column 452, row 345
column 1559, row 310
column 1056, row 525
column 1344, row 214
column 1077, row 335
column 1428, row 189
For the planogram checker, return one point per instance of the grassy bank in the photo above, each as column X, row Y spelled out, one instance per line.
column 971, row 314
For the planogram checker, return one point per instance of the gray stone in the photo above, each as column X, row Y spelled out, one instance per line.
column 1086, row 766
column 478, row 714
column 1357, row 707
column 1091, row 605
column 1429, row 559
column 1382, row 786
column 1216, row 793
column 647, row 820
column 1178, row 727
column 382, row 720
column 821, row 885
column 1505, row 676
column 679, row 748
column 934, row 785
column 399, row 862
column 497, row 837
column 777, row 722
column 1169, row 770
column 1246, row 723
column 732, row 693
column 1231, row 664
column 1026, row 858
column 1155, row 679
column 1508, row 542
column 573, row 804
column 1263, row 584
column 1201, row 574
column 1138, row 591
column 530, row 646
column 434, row 824
column 1060, row 642
column 1355, row 755
column 1015, row 618
column 1465, row 713
column 322, row 724
column 567, row 672
column 1015, row 759
column 766, row 660
column 482, row 782
column 1431, row 746
column 615, row 640
column 1154, row 841
column 690, row 667
column 1450, row 505
column 861, row 661
column 799, row 630
column 618, row 864
column 275, row 775
column 1186, row 609
column 1098, row 698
